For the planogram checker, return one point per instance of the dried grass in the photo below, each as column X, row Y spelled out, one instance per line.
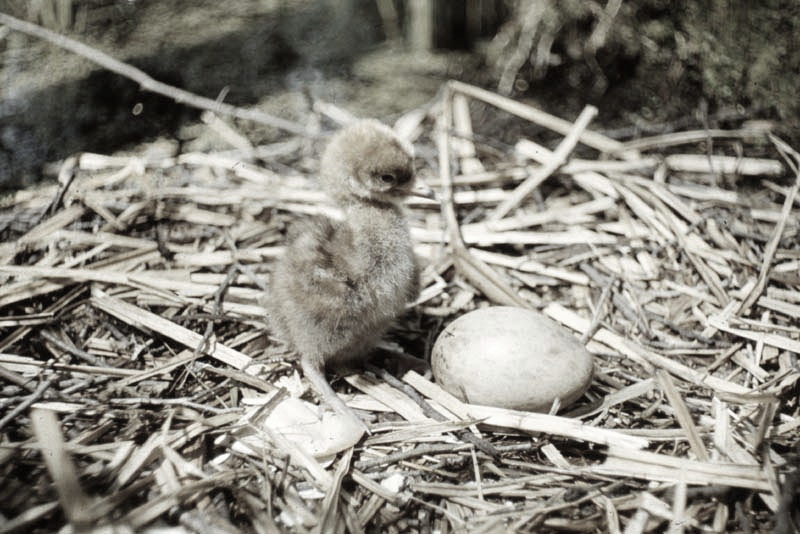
column 133, row 339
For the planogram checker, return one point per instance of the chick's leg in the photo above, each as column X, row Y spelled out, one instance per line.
column 315, row 373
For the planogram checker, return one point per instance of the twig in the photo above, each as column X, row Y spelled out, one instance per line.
column 531, row 19
column 30, row 399
column 559, row 158
column 66, row 175
column 428, row 410
column 175, row 402
column 777, row 234
column 149, row 84
column 75, row 503
column 599, row 312
column 215, row 312
column 682, row 415
column 72, row 349
column 537, row 116
column 471, row 267
column 413, row 453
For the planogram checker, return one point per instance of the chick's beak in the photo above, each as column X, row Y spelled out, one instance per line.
column 420, row 189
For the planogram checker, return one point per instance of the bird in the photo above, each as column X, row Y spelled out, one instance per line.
column 340, row 283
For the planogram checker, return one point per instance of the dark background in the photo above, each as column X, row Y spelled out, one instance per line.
column 650, row 66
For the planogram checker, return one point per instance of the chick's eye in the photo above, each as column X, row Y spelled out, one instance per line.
column 387, row 178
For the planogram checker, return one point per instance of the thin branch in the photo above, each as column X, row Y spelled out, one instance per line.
column 147, row 83
column 780, row 225
column 545, row 171
column 41, row 389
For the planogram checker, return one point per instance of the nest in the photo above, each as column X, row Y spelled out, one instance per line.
column 139, row 376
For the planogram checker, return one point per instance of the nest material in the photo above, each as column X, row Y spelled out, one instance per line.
column 133, row 339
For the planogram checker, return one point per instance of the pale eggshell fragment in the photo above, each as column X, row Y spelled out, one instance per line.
column 511, row 358
column 300, row 423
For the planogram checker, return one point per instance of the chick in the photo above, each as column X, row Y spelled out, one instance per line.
column 341, row 283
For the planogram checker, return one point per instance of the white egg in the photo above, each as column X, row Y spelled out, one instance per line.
column 511, row 358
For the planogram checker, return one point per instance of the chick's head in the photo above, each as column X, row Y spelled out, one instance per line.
column 368, row 161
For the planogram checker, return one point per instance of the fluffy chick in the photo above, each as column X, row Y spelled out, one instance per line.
column 341, row 283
